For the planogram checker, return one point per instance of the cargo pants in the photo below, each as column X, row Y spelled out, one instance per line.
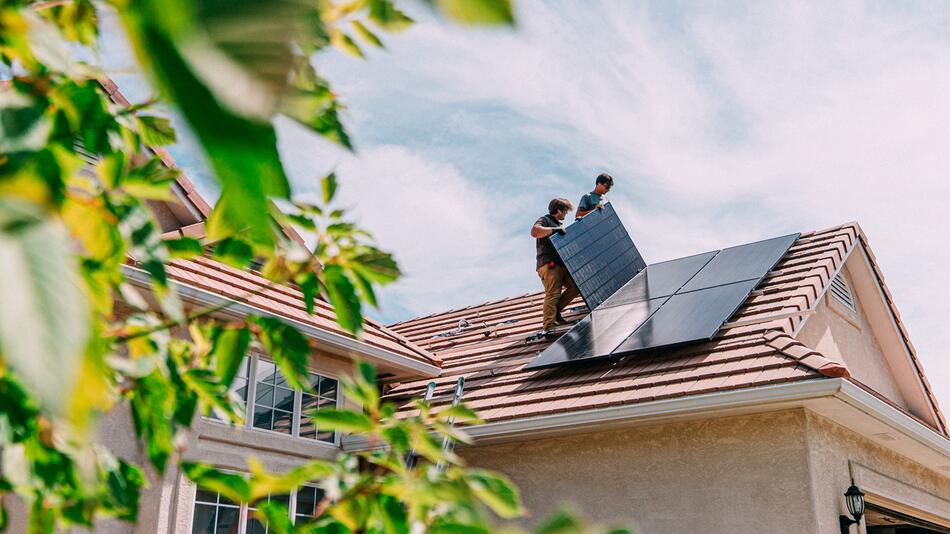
column 554, row 278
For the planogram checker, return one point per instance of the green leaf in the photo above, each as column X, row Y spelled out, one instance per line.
column 560, row 522
column 387, row 16
column 490, row 12
column 233, row 486
column 457, row 528
column 310, row 287
column 233, row 252
column 263, row 483
column 229, row 346
column 346, row 43
column 365, row 34
column 24, row 125
column 393, row 514
column 276, row 516
column 377, row 266
column 184, row 248
column 44, row 316
column 156, row 131
column 314, row 105
column 496, row 491
column 460, row 413
column 342, row 420
column 124, row 482
column 328, row 184
column 343, row 297
column 288, row 347
column 242, row 151
column 153, row 406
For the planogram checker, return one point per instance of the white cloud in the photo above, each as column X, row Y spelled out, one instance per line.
column 723, row 123
column 448, row 235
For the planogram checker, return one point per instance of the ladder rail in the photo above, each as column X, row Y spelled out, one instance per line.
column 448, row 446
column 411, row 456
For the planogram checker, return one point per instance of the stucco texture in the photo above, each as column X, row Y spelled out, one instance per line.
column 846, row 336
column 780, row 472
column 738, row 474
column 838, row 455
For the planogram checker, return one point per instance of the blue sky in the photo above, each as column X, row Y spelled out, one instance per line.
column 721, row 122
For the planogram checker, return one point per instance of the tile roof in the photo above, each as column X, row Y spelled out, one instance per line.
column 755, row 348
column 286, row 302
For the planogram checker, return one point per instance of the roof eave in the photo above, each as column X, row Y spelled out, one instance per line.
column 836, row 399
column 334, row 343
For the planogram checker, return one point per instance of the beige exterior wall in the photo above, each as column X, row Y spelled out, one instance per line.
column 846, row 336
column 737, row 474
column 778, row 472
column 838, row 455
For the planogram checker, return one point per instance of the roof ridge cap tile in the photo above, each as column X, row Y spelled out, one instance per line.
column 798, row 351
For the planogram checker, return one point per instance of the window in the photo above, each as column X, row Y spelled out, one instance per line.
column 324, row 396
column 256, row 526
column 215, row 514
column 273, row 400
column 239, row 385
column 278, row 407
column 842, row 292
column 308, row 497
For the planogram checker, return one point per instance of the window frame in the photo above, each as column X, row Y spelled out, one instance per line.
column 243, row 508
column 249, row 403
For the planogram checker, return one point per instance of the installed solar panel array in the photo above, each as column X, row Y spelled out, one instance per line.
column 599, row 254
column 670, row 303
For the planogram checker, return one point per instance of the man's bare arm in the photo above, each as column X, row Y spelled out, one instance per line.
column 580, row 213
column 538, row 231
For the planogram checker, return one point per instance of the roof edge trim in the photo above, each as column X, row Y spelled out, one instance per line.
column 343, row 343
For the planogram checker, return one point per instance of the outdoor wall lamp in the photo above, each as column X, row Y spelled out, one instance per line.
column 855, row 501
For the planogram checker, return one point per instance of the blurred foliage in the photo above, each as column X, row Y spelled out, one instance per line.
column 89, row 319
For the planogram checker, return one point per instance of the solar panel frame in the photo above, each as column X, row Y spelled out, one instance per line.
column 596, row 335
column 686, row 318
column 708, row 304
column 599, row 254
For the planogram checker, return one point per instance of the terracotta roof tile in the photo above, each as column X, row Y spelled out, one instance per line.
column 737, row 357
column 286, row 302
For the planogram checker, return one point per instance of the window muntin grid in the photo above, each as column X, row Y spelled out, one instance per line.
column 324, row 396
column 215, row 514
column 276, row 407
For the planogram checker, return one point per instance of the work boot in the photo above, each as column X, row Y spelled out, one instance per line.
column 559, row 319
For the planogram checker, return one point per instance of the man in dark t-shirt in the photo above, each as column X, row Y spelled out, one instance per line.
column 554, row 275
column 596, row 198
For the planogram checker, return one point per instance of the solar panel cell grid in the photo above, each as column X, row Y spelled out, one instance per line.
column 638, row 308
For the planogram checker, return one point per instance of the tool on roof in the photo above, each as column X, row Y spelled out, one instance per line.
column 411, row 456
column 448, row 445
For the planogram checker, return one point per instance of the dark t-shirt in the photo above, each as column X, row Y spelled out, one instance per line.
column 544, row 247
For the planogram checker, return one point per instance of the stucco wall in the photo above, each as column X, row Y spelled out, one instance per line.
column 728, row 475
column 836, row 453
column 846, row 336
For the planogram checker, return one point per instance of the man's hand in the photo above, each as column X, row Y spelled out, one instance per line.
column 558, row 230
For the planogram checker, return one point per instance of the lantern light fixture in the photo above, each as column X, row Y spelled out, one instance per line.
column 854, row 498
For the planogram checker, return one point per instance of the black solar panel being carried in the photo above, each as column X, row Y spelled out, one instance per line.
column 599, row 254
column 671, row 303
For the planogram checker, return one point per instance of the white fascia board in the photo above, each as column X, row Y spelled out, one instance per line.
column 336, row 342
column 894, row 418
column 749, row 399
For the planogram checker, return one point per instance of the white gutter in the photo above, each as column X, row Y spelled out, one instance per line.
column 893, row 417
column 336, row 341
column 681, row 406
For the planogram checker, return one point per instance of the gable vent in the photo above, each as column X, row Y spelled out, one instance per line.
column 842, row 292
